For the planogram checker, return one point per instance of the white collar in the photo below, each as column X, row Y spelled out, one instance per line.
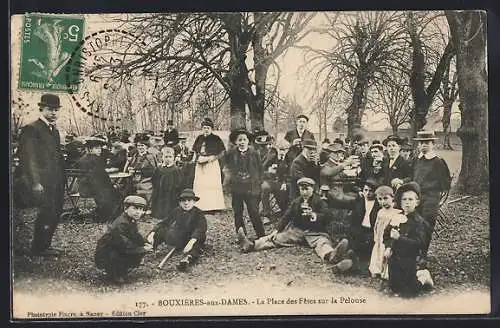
column 430, row 155
column 46, row 121
column 300, row 133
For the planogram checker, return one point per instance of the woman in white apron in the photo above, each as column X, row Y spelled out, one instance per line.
column 208, row 149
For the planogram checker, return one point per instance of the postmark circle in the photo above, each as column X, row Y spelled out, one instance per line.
column 100, row 53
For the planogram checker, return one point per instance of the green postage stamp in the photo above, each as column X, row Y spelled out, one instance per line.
column 48, row 43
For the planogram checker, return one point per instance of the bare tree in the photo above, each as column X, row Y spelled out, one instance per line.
column 394, row 100
column 468, row 29
column 367, row 47
column 424, row 83
column 447, row 95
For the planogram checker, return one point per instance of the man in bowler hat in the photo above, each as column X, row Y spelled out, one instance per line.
column 41, row 173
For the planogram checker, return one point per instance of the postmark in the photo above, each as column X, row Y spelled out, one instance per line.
column 47, row 44
column 94, row 66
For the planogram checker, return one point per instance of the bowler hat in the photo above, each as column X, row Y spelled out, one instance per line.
column 141, row 138
column 309, row 143
column 135, row 200
column 302, row 116
column 306, row 181
column 394, row 138
column 188, row 194
column 207, row 122
column 425, row 135
column 235, row 133
column 50, row 100
column 412, row 185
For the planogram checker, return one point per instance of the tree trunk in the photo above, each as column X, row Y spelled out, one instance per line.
column 446, row 124
column 468, row 29
column 356, row 108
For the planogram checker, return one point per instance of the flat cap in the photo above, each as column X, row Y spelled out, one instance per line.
column 135, row 200
column 306, row 181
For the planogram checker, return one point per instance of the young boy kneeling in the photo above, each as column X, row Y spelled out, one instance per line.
column 184, row 228
column 304, row 221
column 122, row 247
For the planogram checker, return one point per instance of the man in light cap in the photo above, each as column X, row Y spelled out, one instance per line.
column 304, row 221
column 122, row 247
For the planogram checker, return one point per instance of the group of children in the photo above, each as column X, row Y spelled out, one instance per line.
column 385, row 225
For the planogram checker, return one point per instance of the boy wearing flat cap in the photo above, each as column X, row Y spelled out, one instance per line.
column 122, row 247
column 304, row 222
column 184, row 228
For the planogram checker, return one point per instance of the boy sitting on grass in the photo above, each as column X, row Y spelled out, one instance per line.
column 184, row 228
column 122, row 247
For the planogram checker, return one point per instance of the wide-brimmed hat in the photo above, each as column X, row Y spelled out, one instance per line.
column 235, row 133
column 394, row 138
column 336, row 148
column 302, row 116
column 264, row 139
column 425, row 135
column 135, row 200
column 207, row 122
column 188, row 194
column 50, row 100
column 94, row 141
column 309, row 143
column 141, row 138
column 306, row 181
column 412, row 185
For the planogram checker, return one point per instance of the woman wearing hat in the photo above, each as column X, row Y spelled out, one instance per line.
column 208, row 149
column 171, row 135
column 396, row 170
column 142, row 164
column 246, row 175
column 433, row 176
column 96, row 183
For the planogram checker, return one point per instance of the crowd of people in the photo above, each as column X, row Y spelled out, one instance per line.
column 361, row 205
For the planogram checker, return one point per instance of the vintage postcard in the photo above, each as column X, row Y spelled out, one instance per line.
column 249, row 164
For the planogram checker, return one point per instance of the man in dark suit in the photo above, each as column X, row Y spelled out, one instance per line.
column 396, row 169
column 305, row 165
column 41, row 173
column 171, row 135
column 296, row 136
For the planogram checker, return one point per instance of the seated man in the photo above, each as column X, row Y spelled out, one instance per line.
column 96, row 182
column 275, row 182
column 184, row 228
column 305, row 165
column 117, row 157
column 303, row 223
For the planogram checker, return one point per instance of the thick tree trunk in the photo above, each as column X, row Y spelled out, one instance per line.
column 356, row 108
column 468, row 30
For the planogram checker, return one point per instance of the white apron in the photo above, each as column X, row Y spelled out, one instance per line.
column 207, row 185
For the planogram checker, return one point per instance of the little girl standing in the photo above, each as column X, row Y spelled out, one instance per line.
column 378, row 265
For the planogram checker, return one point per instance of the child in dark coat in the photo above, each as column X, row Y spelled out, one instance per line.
column 404, row 239
column 245, row 179
column 184, row 228
column 122, row 247
column 167, row 184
